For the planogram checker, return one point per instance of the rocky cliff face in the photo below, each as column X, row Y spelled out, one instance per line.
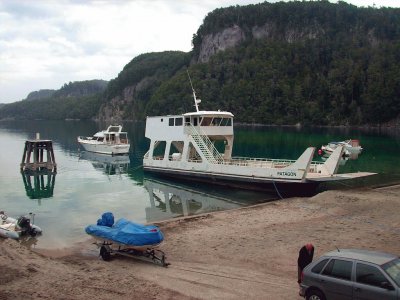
column 233, row 36
column 212, row 43
column 290, row 35
column 113, row 111
column 122, row 107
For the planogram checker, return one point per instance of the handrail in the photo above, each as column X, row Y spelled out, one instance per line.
column 253, row 162
column 204, row 143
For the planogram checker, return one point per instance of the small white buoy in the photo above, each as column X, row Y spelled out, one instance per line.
column 37, row 135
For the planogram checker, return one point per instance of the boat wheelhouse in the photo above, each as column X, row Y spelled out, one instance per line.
column 111, row 141
column 185, row 146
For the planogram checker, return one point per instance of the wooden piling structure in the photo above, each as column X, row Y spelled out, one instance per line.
column 39, row 184
column 33, row 156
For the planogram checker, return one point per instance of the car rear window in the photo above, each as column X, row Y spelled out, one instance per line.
column 393, row 269
column 339, row 268
column 319, row 266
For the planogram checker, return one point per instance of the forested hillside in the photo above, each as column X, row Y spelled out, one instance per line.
column 41, row 94
column 127, row 96
column 313, row 63
column 75, row 100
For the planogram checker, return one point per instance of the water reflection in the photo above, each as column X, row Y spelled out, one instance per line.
column 39, row 184
column 108, row 164
column 168, row 200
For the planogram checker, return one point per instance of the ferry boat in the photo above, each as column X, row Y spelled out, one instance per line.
column 111, row 141
column 183, row 146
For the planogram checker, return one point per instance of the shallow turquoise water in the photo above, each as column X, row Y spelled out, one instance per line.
column 86, row 185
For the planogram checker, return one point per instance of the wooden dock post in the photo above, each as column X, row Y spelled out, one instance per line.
column 33, row 156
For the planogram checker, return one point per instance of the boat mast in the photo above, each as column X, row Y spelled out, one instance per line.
column 196, row 101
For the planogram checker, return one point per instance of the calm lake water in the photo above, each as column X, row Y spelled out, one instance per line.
column 87, row 184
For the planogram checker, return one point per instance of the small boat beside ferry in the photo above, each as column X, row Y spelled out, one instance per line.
column 351, row 147
column 111, row 141
column 183, row 146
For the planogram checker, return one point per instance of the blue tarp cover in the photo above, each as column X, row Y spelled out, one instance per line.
column 128, row 233
column 107, row 219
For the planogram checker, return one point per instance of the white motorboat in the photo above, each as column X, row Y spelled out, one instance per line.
column 111, row 141
column 350, row 147
column 16, row 228
column 183, row 146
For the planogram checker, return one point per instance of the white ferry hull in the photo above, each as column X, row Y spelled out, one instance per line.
column 245, row 173
column 105, row 149
column 285, row 187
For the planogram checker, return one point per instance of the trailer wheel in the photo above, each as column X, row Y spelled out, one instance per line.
column 105, row 254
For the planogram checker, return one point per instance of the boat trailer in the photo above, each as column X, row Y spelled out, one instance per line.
column 149, row 254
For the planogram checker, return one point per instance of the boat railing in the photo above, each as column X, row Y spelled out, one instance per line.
column 155, row 157
column 260, row 162
column 314, row 166
column 123, row 141
column 85, row 138
column 115, row 142
column 248, row 162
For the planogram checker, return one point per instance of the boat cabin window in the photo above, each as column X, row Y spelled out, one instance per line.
column 194, row 121
column 216, row 121
column 100, row 139
column 226, row 122
column 110, row 137
column 113, row 129
column 187, row 120
column 206, row 121
column 175, row 121
column 178, row 121
column 123, row 138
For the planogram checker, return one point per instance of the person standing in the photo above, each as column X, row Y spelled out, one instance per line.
column 306, row 255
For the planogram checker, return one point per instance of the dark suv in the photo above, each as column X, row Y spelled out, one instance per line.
column 351, row 274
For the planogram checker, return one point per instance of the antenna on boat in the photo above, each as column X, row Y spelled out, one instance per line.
column 196, row 101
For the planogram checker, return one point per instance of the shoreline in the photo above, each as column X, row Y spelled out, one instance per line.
column 248, row 252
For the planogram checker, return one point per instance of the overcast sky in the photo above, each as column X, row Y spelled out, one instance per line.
column 46, row 43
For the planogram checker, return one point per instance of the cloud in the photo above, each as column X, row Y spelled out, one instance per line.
column 61, row 41
column 44, row 44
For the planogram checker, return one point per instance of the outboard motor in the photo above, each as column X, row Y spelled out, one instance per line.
column 25, row 224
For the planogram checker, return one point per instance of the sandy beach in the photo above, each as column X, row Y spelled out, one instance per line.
column 247, row 253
